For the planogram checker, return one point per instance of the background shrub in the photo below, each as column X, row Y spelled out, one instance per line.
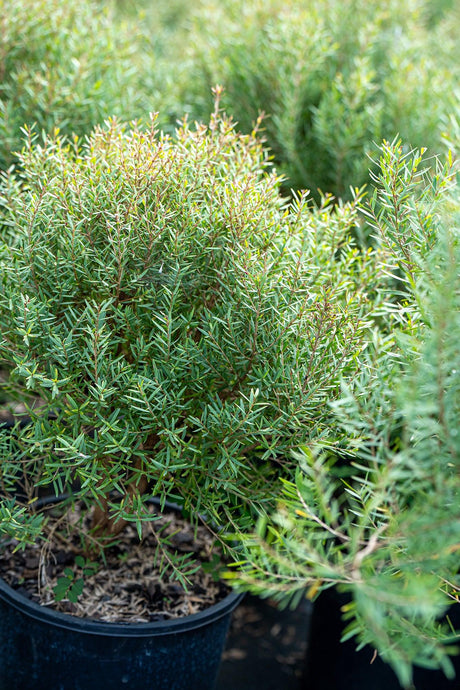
column 68, row 65
column 332, row 78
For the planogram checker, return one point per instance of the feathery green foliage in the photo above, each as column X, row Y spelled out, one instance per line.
column 332, row 78
column 65, row 65
column 385, row 525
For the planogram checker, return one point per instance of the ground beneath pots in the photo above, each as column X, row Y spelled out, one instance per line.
column 266, row 647
column 135, row 585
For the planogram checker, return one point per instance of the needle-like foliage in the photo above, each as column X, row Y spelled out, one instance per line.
column 384, row 525
column 332, row 78
column 66, row 65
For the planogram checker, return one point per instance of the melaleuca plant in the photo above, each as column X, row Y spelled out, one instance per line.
column 172, row 325
column 385, row 527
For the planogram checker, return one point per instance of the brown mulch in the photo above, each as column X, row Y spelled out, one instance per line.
column 136, row 584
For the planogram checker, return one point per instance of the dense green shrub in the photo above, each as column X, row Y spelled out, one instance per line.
column 388, row 532
column 333, row 78
column 182, row 327
column 66, row 65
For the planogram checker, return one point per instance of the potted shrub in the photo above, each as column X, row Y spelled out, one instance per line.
column 174, row 329
column 384, row 527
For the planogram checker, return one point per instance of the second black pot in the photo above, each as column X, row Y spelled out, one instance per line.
column 332, row 664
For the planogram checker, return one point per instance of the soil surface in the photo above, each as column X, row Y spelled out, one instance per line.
column 135, row 584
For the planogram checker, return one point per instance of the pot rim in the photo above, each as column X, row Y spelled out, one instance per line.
column 95, row 627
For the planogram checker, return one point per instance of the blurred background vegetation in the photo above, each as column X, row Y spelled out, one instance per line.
column 332, row 78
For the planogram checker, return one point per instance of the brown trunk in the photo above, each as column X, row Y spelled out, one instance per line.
column 107, row 527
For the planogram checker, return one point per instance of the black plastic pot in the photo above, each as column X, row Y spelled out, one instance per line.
column 42, row 649
column 337, row 665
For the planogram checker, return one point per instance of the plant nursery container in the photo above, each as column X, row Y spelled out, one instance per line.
column 337, row 665
column 43, row 649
